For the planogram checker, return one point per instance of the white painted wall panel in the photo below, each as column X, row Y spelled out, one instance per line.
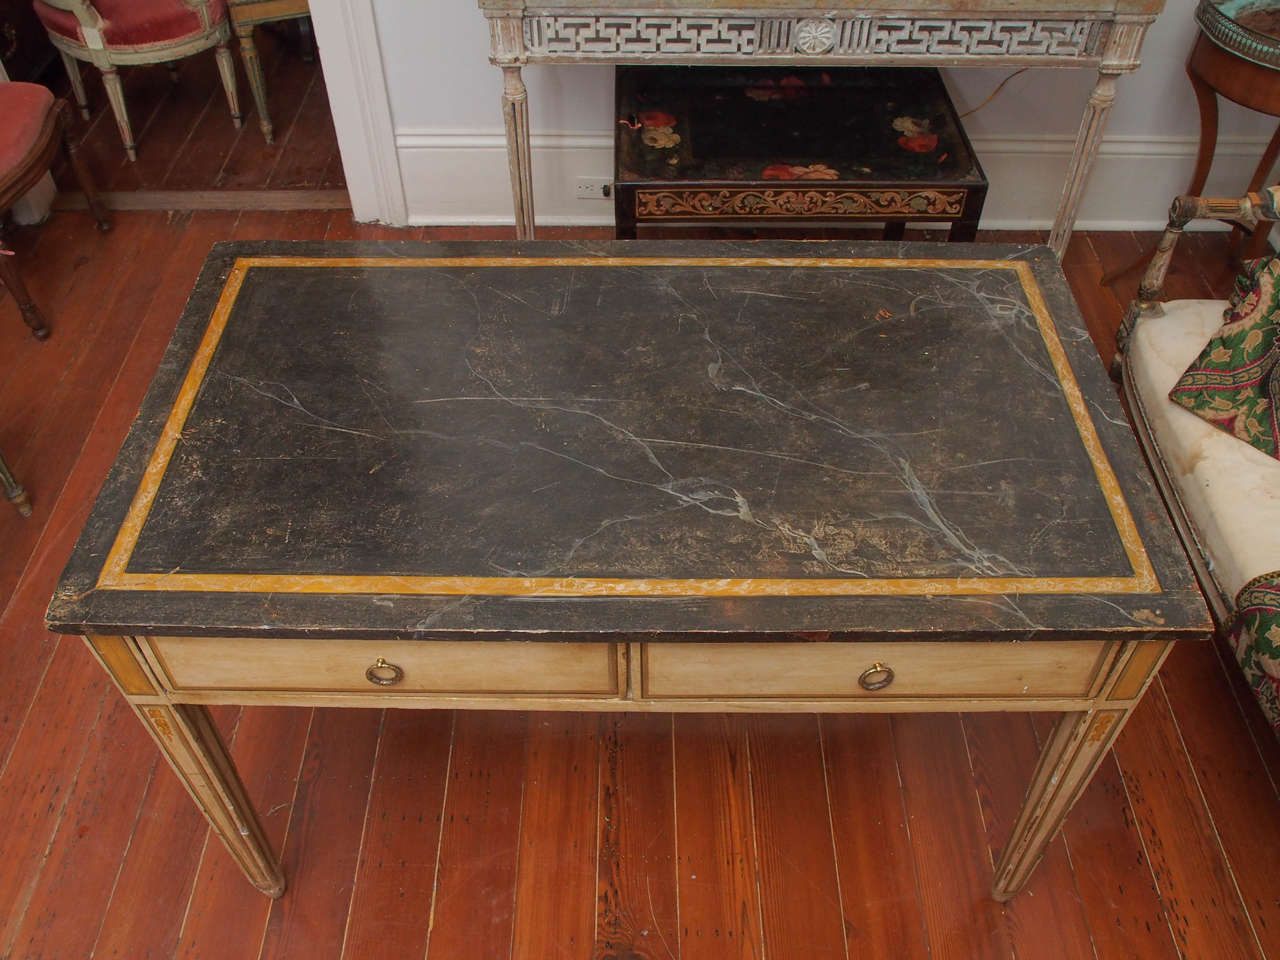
column 444, row 100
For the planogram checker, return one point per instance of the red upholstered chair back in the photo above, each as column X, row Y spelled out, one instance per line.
column 129, row 23
column 25, row 108
column 33, row 127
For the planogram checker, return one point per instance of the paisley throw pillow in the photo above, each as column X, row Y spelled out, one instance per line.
column 1235, row 382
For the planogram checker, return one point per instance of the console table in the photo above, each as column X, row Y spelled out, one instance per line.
column 1105, row 35
column 634, row 476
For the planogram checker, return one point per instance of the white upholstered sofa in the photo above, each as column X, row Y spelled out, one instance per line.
column 1223, row 494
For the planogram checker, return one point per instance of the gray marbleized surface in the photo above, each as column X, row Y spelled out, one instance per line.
column 653, row 422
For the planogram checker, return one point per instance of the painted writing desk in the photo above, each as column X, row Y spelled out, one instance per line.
column 1105, row 35
column 678, row 477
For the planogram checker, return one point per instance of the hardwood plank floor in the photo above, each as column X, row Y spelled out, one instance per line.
column 474, row 905
column 879, row 890
column 636, row 837
column 186, row 139
column 401, row 843
column 636, row 867
column 563, row 774
column 717, row 889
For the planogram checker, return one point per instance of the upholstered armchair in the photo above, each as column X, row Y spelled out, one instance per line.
column 115, row 33
column 1202, row 379
column 33, row 128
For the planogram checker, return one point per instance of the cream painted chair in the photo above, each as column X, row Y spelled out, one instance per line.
column 114, row 33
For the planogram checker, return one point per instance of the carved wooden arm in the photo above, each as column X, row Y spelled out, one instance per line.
column 1247, row 212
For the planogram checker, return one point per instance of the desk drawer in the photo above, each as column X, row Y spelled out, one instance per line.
column 328, row 666
column 824, row 670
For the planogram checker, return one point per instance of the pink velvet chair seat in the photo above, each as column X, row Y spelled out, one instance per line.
column 25, row 107
column 133, row 23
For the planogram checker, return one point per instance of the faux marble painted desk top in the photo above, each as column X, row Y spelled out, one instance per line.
column 746, row 440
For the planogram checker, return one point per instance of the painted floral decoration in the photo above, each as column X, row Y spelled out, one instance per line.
column 658, row 129
column 815, row 171
column 786, row 171
column 656, row 118
column 660, row 137
column 925, row 143
column 910, row 126
column 916, row 136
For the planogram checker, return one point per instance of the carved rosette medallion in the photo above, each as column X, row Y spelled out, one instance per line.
column 773, row 203
column 814, row 36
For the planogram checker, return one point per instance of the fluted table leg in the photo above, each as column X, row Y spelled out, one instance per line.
column 515, row 113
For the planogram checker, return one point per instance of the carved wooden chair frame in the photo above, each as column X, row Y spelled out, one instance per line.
column 1247, row 212
column 106, row 58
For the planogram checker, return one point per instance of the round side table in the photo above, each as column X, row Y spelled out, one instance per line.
column 1235, row 56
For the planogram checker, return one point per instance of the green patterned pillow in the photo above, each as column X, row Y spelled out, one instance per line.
column 1235, row 382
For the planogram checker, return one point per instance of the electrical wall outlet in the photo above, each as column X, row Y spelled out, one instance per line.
column 593, row 188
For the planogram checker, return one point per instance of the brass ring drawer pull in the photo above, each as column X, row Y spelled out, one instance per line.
column 384, row 674
column 876, row 677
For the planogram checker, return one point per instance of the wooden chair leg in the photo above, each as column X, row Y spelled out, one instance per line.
column 72, row 66
column 257, row 84
column 31, row 314
column 81, row 171
column 227, row 69
column 13, row 491
column 115, row 95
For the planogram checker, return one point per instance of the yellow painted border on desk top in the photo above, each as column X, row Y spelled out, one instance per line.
column 114, row 575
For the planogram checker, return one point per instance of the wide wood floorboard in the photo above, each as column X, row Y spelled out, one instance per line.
column 717, row 888
column 562, row 774
column 474, row 903
column 401, row 844
column 949, row 843
column 476, row 835
column 637, row 867
column 880, row 894
column 801, row 910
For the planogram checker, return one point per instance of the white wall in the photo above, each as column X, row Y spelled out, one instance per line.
column 445, row 98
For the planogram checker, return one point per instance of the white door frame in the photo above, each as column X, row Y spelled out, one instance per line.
column 351, row 57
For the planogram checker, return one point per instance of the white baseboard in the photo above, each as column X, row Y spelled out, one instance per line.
column 461, row 177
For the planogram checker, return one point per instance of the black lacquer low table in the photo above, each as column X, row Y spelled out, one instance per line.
column 757, row 147
column 692, row 477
